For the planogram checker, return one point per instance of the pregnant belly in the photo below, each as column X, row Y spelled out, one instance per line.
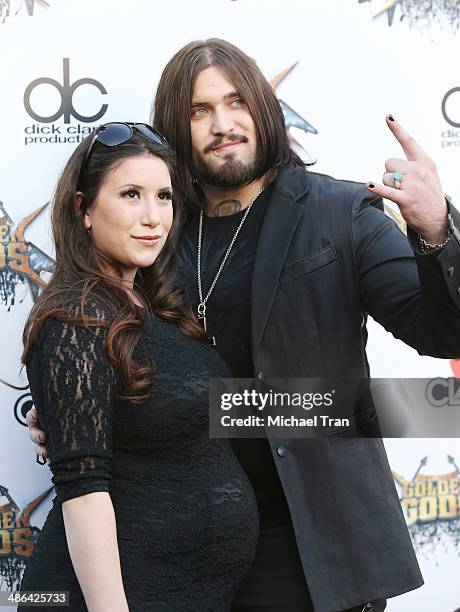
column 198, row 504
column 191, row 522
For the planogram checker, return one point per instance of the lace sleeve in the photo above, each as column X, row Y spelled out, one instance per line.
column 73, row 387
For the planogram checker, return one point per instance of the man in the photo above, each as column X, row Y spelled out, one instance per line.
column 282, row 266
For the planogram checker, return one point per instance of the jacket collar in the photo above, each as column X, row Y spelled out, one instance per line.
column 292, row 182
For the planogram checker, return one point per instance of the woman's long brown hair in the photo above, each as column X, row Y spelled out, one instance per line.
column 84, row 273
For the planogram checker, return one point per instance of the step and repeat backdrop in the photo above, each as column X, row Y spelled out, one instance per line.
column 338, row 67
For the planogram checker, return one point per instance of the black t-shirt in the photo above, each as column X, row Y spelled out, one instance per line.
column 228, row 313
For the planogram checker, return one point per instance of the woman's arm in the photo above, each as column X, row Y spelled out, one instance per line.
column 73, row 384
column 92, row 540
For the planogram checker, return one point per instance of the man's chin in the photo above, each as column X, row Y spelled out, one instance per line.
column 232, row 173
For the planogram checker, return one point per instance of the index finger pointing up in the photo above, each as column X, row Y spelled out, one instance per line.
column 410, row 147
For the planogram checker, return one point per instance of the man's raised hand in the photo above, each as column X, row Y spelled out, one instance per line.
column 420, row 197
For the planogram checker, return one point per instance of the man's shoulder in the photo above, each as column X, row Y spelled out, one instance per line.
column 305, row 185
column 327, row 181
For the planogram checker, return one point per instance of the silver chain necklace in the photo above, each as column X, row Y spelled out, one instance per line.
column 202, row 305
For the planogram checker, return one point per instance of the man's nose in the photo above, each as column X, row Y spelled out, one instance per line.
column 223, row 122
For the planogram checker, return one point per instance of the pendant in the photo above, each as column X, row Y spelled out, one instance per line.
column 202, row 317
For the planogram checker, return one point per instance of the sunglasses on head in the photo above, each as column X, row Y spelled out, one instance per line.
column 117, row 132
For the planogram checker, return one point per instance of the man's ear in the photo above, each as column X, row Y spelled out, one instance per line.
column 78, row 202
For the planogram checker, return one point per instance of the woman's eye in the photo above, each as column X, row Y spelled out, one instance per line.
column 238, row 102
column 132, row 193
column 165, row 195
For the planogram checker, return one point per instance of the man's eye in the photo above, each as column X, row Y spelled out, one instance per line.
column 238, row 102
column 199, row 112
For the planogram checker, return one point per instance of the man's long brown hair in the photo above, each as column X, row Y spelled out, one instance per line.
column 83, row 274
column 172, row 106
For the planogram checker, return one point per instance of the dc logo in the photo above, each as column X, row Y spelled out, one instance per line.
column 455, row 90
column 21, row 408
column 66, row 91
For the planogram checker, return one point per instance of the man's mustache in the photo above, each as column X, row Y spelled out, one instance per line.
column 218, row 141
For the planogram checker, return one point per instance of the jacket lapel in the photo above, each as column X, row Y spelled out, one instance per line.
column 281, row 219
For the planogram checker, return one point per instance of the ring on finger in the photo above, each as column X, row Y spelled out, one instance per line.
column 398, row 178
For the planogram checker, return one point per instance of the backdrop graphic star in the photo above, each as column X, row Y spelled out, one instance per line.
column 291, row 117
column 6, row 8
column 21, row 261
column 421, row 14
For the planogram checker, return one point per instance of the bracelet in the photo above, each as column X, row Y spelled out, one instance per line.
column 426, row 247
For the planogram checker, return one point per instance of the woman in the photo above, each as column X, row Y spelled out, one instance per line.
column 150, row 513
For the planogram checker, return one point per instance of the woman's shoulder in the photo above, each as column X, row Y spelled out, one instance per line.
column 91, row 306
column 76, row 320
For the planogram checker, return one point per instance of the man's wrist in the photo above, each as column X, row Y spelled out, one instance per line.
column 427, row 246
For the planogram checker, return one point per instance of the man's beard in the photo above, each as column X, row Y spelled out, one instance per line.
column 232, row 173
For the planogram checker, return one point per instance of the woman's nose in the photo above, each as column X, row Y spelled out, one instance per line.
column 150, row 214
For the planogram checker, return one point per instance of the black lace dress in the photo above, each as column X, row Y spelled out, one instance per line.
column 186, row 514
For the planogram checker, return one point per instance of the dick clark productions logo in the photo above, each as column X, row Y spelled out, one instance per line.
column 66, row 133
column 450, row 108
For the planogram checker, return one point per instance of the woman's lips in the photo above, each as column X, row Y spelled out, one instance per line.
column 147, row 240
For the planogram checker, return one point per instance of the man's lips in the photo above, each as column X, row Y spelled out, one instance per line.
column 227, row 144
